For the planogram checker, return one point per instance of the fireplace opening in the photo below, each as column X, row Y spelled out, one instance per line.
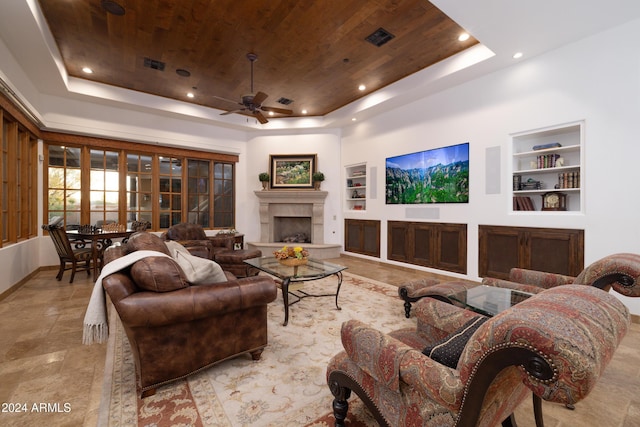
column 292, row 229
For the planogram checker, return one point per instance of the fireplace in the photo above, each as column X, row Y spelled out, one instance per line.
column 286, row 213
column 292, row 229
column 294, row 205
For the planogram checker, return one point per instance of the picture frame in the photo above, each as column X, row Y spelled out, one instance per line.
column 292, row 170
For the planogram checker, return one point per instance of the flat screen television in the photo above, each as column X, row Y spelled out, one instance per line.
column 440, row 175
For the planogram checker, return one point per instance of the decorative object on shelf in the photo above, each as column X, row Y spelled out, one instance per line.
column 546, row 146
column 292, row 256
column 292, row 170
column 264, row 179
column 227, row 231
column 317, row 177
column 554, row 201
column 531, row 184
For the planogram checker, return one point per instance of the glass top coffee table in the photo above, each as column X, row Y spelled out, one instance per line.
column 489, row 300
column 314, row 269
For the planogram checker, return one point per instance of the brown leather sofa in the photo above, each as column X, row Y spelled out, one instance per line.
column 176, row 329
column 218, row 248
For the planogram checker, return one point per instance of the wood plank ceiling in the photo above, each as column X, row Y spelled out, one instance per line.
column 311, row 52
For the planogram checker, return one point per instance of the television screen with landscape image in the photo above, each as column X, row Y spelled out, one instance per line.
column 440, row 175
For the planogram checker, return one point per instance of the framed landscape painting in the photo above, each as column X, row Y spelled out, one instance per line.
column 292, row 170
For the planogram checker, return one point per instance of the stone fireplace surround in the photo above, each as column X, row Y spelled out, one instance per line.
column 293, row 203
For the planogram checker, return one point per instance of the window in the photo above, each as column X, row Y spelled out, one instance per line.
column 139, row 188
column 18, row 173
column 198, row 192
column 126, row 182
column 170, row 171
column 64, row 195
column 103, row 185
column 223, row 205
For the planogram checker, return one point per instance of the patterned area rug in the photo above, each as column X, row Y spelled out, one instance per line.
column 286, row 387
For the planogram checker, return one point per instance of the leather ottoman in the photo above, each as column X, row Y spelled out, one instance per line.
column 233, row 261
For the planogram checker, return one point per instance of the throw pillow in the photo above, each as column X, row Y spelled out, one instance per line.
column 197, row 270
column 158, row 274
column 448, row 350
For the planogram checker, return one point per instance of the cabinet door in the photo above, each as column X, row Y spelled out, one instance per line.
column 500, row 250
column 423, row 244
column 353, row 236
column 451, row 244
column 398, row 241
column 555, row 251
column 371, row 238
column 362, row 236
column 552, row 250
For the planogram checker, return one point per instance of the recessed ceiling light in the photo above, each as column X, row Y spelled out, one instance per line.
column 353, row 119
column 190, row 95
column 517, row 55
column 463, row 37
column 87, row 70
column 304, row 111
column 362, row 87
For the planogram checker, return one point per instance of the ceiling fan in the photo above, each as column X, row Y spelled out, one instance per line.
column 252, row 103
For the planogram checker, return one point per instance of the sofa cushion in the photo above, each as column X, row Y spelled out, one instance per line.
column 143, row 240
column 448, row 349
column 158, row 274
column 197, row 270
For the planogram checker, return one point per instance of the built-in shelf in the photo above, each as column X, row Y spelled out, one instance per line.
column 356, row 187
column 545, row 161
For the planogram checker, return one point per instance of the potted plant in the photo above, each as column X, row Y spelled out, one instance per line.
column 264, row 179
column 317, row 177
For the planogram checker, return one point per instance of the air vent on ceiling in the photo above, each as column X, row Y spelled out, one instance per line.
column 379, row 37
column 284, row 101
column 152, row 63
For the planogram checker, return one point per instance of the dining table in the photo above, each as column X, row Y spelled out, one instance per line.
column 100, row 240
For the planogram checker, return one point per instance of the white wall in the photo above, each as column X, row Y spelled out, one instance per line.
column 596, row 79
column 326, row 144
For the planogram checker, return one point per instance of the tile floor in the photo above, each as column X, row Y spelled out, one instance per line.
column 43, row 361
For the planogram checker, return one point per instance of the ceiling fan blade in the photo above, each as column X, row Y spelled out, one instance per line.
column 225, row 99
column 232, row 111
column 259, row 98
column 261, row 118
column 277, row 110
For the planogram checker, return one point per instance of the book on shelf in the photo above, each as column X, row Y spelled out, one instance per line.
column 523, row 203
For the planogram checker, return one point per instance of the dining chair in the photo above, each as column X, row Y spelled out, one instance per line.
column 79, row 258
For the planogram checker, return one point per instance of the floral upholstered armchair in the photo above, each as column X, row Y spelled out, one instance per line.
column 556, row 344
column 619, row 272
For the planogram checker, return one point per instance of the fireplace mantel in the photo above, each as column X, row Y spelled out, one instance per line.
column 292, row 196
column 294, row 203
column 290, row 203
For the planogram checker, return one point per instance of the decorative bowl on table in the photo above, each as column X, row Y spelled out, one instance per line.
column 292, row 256
column 293, row 262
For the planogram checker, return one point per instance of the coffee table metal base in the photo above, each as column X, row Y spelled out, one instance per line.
column 299, row 294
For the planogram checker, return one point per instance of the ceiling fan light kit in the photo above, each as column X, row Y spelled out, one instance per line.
column 252, row 102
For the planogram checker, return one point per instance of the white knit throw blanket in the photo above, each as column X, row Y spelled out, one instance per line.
column 96, row 329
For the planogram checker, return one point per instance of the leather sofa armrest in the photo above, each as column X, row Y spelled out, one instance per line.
column 151, row 309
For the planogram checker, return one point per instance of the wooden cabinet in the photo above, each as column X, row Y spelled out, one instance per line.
column 552, row 250
column 437, row 245
column 362, row 236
